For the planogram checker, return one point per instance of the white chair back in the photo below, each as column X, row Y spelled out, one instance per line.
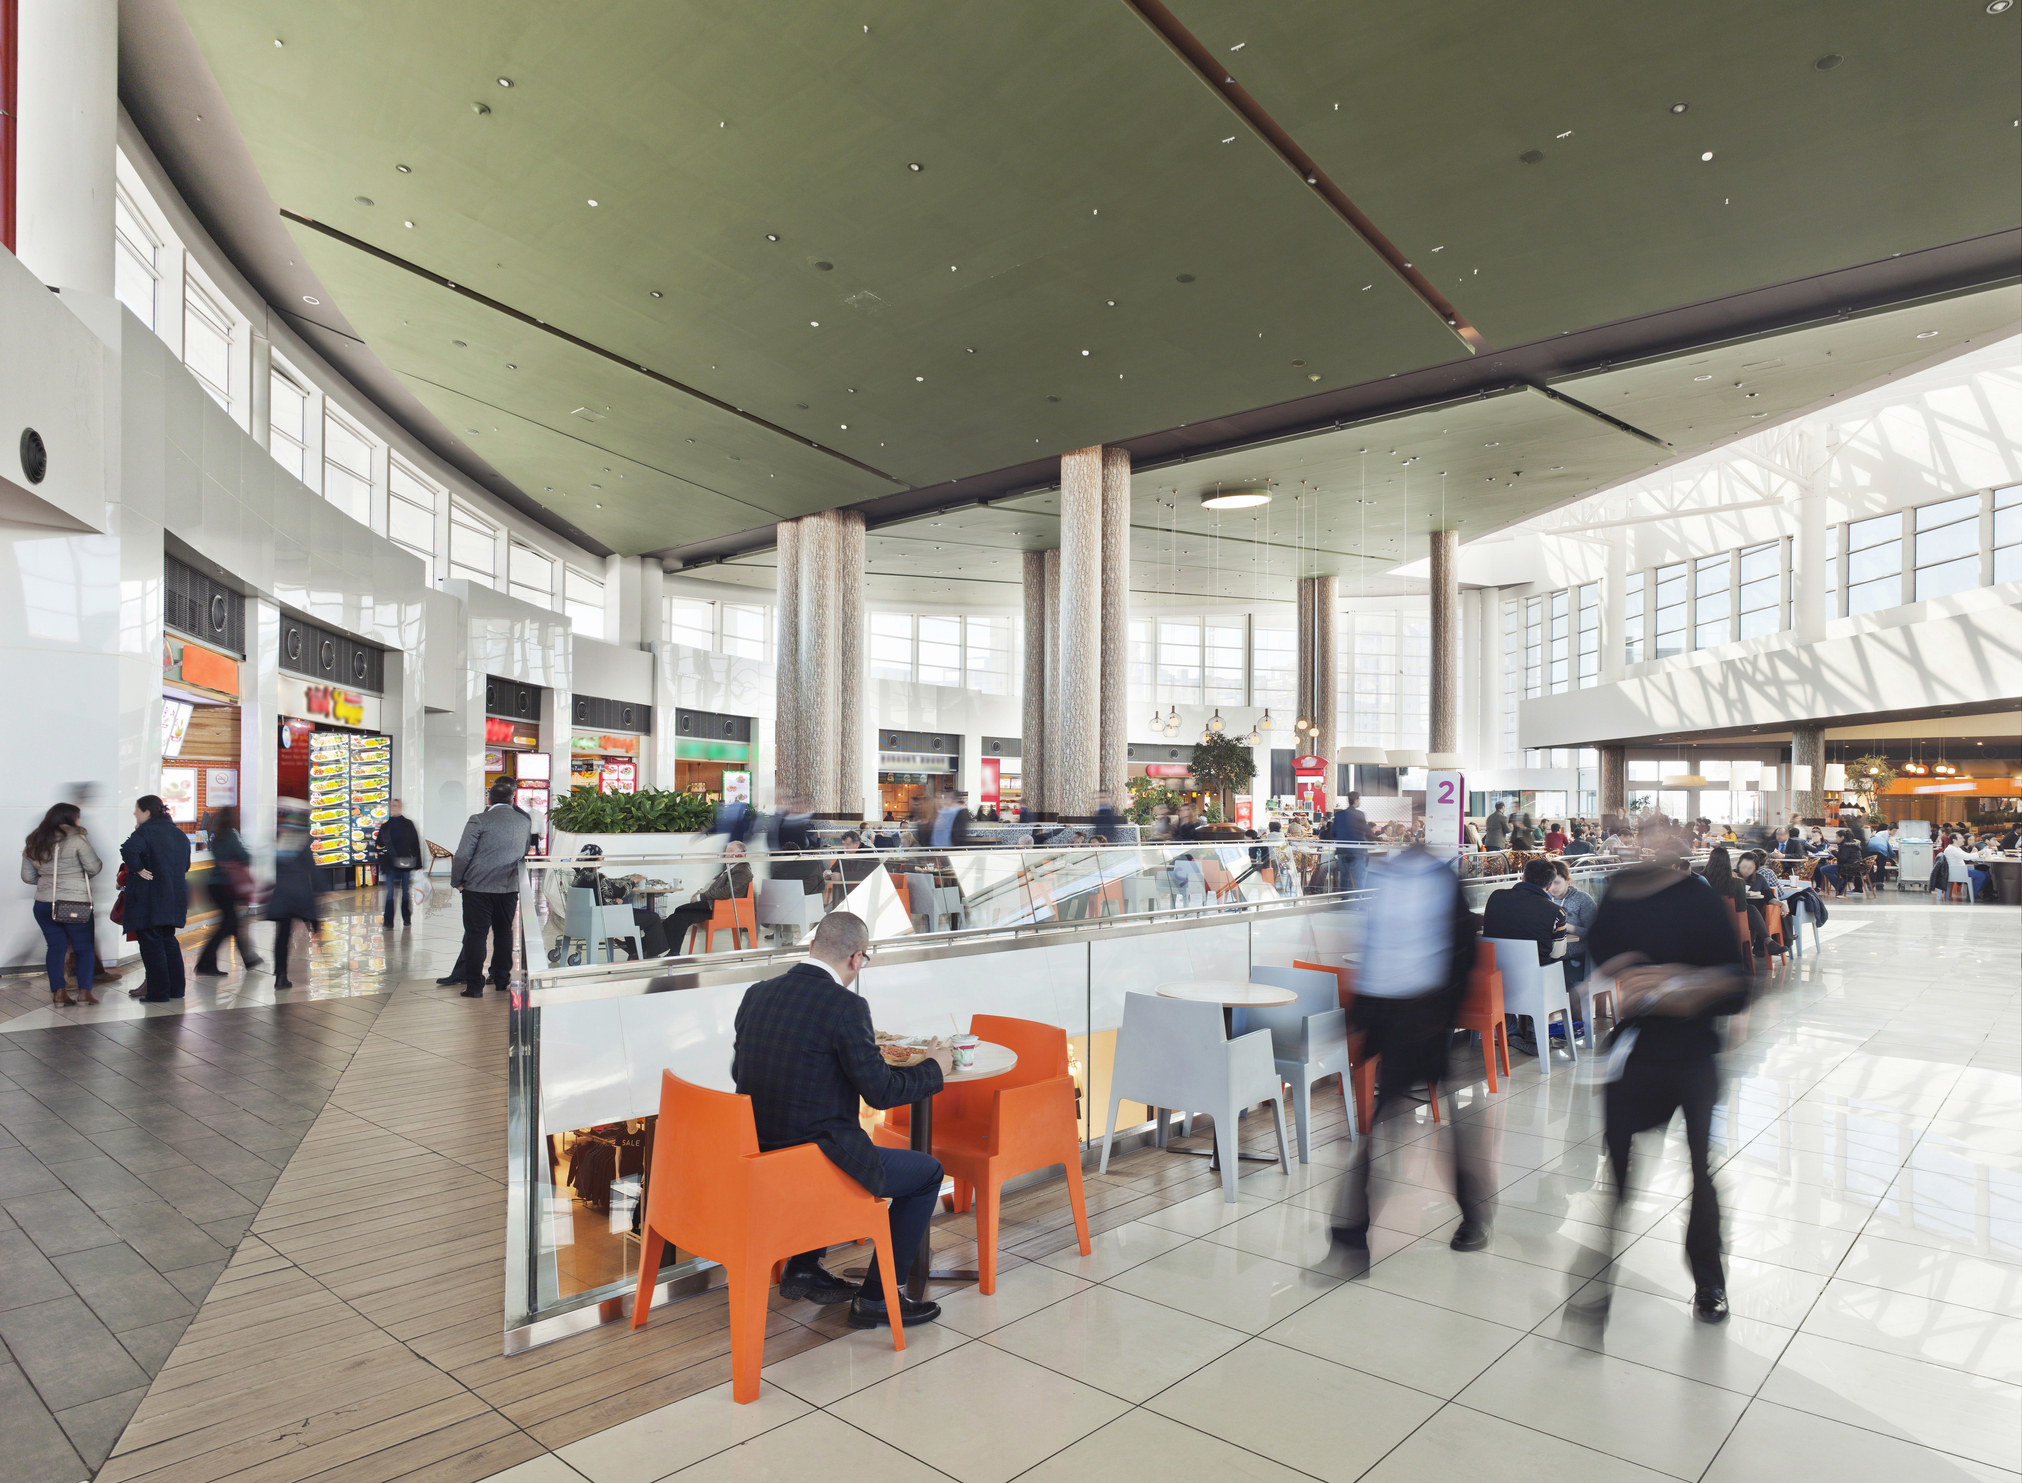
column 1534, row 989
column 787, row 904
column 1169, row 1052
column 1318, row 992
column 580, row 919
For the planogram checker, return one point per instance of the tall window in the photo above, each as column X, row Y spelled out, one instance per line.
column 891, row 646
column 1534, row 646
column 2008, row 534
column 207, row 341
column 1414, row 691
column 1712, row 606
column 744, row 630
column 1179, row 660
column 347, row 468
column 1222, row 671
column 583, row 602
column 1561, row 641
column 1512, row 680
column 1761, row 589
column 1832, row 603
column 1670, row 624
column 1874, row 564
column 288, row 423
column 1274, row 662
column 530, row 575
column 691, row 621
column 1590, row 635
column 1140, row 660
column 1948, row 547
column 940, row 650
column 136, row 261
column 986, row 657
column 1632, row 620
column 1372, row 689
column 410, row 514
column 473, row 547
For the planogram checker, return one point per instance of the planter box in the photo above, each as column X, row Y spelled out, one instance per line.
column 564, row 845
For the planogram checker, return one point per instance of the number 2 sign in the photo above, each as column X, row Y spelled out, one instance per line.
column 1445, row 811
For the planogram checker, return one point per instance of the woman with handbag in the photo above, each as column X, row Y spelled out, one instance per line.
column 59, row 862
column 231, row 889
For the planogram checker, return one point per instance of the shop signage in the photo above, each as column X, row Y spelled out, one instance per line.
column 1310, row 764
column 306, row 700
column 194, row 665
column 992, row 791
column 915, row 762
column 694, row 749
column 610, row 746
column 499, row 732
column 1168, row 770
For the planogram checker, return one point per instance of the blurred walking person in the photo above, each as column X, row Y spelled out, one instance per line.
column 397, row 846
column 58, row 860
column 295, row 898
column 231, row 888
column 1668, row 941
column 157, row 857
column 1415, row 961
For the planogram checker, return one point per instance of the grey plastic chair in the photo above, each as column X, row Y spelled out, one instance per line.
column 787, row 904
column 1537, row 990
column 1309, row 1041
column 1173, row 1053
column 598, row 925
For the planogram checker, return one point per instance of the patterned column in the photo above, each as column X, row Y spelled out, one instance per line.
column 820, row 661
column 1033, row 699
column 1444, row 731
column 786, row 742
column 850, row 660
column 1614, row 782
column 1049, row 808
column 1079, row 704
column 1113, row 768
column 1807, row 749
column 1317, row 693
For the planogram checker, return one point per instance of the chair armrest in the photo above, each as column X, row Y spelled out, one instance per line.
column 1253, row 1063
column 803, row 1167
column 1326, row 1033
column 1027, row 1109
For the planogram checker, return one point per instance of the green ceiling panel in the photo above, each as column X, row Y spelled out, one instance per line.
column 559, row 420
column 1711, row 396
column 1422, row 114
column 1067, row 161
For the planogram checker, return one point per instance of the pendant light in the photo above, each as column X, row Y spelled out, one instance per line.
column 1215, row 723
column 1264, row 721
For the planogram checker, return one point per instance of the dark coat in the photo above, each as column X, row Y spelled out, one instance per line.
column 398, row 839
column 294, row 887
column 805, row 1054
column 164, row 850
column 1522, row 911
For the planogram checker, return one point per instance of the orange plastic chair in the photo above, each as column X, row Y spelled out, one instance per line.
column 985, row 1132
column 738, row 914
column 1482, row 1012
column 1361, row 1068
column 713, row 1193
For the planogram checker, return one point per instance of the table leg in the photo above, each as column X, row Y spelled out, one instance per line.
column 923, row 1272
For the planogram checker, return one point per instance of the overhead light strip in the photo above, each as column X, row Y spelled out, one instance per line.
column 581, row 344
column 1222, row 81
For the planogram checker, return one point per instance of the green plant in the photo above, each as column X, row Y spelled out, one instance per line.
column 1221, row 764
column 1867, row 778
column 649, row 811
column 1146, row 794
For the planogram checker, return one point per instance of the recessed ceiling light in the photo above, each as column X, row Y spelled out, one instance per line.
column 1708, row 155
column 919, row 378
column 655, row 292
column 405, row 169
column 277, row 41
column 1926, row 334
column 1827, row 62
column 1084, row 352
column 593, row 203
column 461, row 344
column 772, row 236
column 363, row 200
column 505, row 82
column 1707, row 377
column 814, row 324
column 511, row 367
column 844, row 426
column 1678, row 107
column 1995, row 7
column 407, row 223
column 308, row 298
column 915, row 166
column 1184, row 278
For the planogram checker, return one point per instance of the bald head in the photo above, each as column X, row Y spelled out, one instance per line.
column 841, row 941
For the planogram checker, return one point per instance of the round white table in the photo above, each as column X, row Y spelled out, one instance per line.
column 1232, row 994
column 992, row 1059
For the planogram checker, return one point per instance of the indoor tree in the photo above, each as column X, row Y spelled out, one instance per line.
column 1221, row 764
column 1867, row 779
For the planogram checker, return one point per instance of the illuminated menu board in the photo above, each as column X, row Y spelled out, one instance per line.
column 371, row 790
column 330, row 797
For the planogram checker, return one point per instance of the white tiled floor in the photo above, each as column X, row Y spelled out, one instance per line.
column 1869, row 1153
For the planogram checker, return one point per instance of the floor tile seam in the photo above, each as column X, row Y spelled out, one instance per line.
column 825, row 1411
column 1801, row 1409
column 1934, row 1364
column 1584, row 1446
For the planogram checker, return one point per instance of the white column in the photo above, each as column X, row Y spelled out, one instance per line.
column 69, row 122
column 786, row 747
column 260, row 393
column 1053, row 741
column 1808, row 597
column 1113, row 767
column 1615, row 607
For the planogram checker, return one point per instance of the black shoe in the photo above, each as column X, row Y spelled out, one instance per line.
column 1709, row 1305
column 476, row 993
column 819, row 1285
column 208, row 970
column 386, row 923
column 1470, row 1235
column 453, row 978
column 1355, row 1238
column 255, row 964
column 282, row 983
column 869, row 1313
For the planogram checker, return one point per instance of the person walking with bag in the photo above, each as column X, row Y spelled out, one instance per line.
column 231, row 888
column 294, row 898
column 157, row 856
column 398, row 847
column 59, row 862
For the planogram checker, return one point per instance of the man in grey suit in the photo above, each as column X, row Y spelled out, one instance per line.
column 486, row 869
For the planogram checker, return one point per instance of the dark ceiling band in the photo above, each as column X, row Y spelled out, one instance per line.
column 581, row 344
column 1224, row 85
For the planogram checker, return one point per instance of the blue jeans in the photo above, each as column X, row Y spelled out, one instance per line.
column 913, row 1185
column 396, row 891
column 64, row 938
column 1982, row 879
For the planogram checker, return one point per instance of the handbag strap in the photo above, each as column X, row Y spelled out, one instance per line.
column 56, row 874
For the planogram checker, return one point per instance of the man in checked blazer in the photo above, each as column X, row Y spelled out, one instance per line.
column 805, row 1054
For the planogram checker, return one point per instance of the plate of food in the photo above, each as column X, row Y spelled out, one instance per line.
column 906, row 1050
